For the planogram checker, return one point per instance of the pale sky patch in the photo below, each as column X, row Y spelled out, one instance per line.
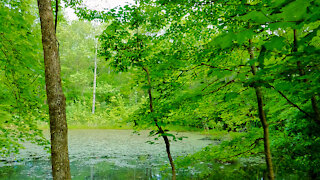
column 99, row 5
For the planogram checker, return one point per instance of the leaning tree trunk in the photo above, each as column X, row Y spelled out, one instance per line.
column 161, row 131
column 55, row 96
column 262, row 116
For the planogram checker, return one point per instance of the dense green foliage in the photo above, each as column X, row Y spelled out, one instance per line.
column 21, row 76
column 196, row 52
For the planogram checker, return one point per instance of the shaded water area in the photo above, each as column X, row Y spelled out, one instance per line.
column 103, row 154
column 122, row 154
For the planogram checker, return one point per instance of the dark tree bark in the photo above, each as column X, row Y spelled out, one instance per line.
column 55, row 96
column 263, row 119
column 160, row 130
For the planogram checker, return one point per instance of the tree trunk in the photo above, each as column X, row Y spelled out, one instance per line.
column 315, row 109
column 302, row 73
column 55, row 96
column 161, row 131
column 262, row 117
column 94, row 81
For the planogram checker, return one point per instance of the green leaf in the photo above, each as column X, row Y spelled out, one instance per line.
column 223, row 41
column 243, row 36
column 276, row 43
column 295, row 11
column 256, row 17
column 230, row 96
column 281, row 25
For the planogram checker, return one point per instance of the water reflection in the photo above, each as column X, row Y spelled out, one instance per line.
column 105, row 169
column 102, row 154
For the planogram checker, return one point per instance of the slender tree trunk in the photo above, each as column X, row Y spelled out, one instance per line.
column 161, row 131
column 94, row 81
column 55, row 96
column 263, row 119
column 302, row 73
column 315, row 109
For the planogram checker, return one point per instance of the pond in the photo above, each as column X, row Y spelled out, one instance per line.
column 121, row 154
column 104, row 154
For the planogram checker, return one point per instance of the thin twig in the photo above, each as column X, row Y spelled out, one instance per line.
column 56, row 20
column 253, row 145
column 216, row 67
column 228, row 83
column 210, row 84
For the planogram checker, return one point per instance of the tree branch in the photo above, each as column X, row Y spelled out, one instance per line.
column 290, row 102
